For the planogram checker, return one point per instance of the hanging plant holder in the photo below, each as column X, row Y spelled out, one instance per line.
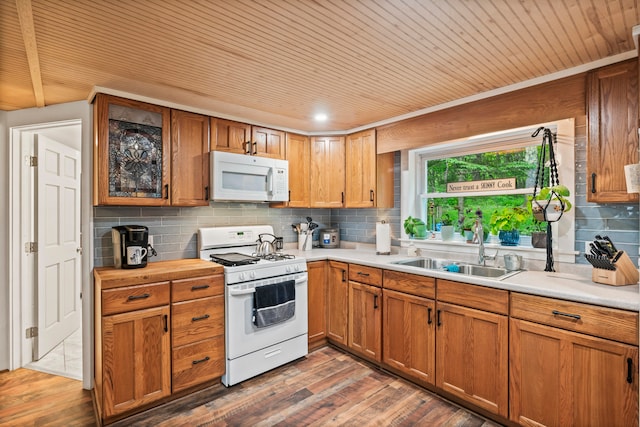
column 548, row 202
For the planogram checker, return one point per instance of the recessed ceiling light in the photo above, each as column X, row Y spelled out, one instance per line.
column 320, row 117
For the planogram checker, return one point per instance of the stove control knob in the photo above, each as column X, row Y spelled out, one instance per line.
column 241, row 276
column 297, row 267
column 252, row 274
column 288, row 269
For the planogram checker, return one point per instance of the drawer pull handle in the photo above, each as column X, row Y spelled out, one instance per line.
column 204, row 359
column 135, row 297
column 371, row 195
column 166, row 323
column 375, row 301
column 360, row 273
column 344, row 276
column 630, row 370
column 439, row 319
column 429, row 320
column 560, row 313
column 204, row 317
column 593, row 182
column 198, row 287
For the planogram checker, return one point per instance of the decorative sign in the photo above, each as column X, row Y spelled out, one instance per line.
column 481, row 186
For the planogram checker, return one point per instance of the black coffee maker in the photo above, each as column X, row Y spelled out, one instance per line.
column 130, row 245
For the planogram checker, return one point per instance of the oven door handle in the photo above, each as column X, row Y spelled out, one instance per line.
column 252, row 290
column 242, row 292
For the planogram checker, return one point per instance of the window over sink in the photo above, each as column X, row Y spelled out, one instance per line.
column 453, row 180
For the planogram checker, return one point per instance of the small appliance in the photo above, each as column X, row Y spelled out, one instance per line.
column 241, row 177
column 130, row 243
column 329, row 238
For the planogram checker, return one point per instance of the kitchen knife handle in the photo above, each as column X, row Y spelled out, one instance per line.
column 429, row 320
column 630, row 370
column 593, row 182
column 571, row 315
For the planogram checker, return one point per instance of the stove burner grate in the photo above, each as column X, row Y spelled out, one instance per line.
column 277, row 257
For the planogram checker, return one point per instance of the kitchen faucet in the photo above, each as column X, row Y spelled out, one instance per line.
column 478, row 236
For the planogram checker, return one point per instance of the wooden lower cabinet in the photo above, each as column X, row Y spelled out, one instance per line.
column 365, row 320
column 563, row 378
column 158, row 330
column 337, row 302
column 197, row 331
column 136, row 361
column 408, row 334
column 472, row 346
column 317, row 302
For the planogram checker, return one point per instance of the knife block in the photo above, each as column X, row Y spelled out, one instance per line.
column 625, row 273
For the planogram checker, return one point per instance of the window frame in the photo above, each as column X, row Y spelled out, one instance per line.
column 563, row 231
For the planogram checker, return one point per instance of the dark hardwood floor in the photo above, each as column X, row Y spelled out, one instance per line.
column 327, row 388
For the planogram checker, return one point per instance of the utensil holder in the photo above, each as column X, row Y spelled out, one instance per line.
column 305, row 241
column 625, row 273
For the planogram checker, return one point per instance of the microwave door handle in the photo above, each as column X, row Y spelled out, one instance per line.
column 270, row 181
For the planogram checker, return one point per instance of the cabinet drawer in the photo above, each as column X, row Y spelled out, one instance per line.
column 199, row 362
column 196, row 320
column 604, row 322
column 198, row 287
column 474, row 296
column 364, row 274
column 130, row 298
column 410, row 283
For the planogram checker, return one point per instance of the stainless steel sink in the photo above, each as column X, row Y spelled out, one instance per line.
column 428, row 263
column 483, row 271
column 466, row 269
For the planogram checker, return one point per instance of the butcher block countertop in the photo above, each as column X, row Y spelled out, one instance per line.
column 159, row 271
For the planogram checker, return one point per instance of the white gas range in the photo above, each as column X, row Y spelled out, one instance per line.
column 266, row 320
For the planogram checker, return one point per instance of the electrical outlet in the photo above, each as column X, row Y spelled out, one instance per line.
column 151, row 240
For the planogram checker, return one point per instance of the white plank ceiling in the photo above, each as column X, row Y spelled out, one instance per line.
column 278, row 62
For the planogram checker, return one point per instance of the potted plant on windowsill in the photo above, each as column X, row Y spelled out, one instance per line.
column 415, row 228
column 447, row 219
column 506, row 223
column 550, row 203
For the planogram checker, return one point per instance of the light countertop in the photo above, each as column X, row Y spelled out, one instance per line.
column 575, row 284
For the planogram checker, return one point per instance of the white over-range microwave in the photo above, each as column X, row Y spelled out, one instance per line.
column 241, row 177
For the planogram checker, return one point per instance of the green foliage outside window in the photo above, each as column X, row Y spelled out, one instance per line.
column 514, row 163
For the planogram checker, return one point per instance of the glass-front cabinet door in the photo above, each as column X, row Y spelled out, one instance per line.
column 131, row 152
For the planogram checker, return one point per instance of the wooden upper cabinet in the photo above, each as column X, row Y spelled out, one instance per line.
column 267, row 143
column 242, row 138
column 132, row 142
column 327, row 172
column 360, row 188
column 227, row 135
column 189, row 159
column 612, row 112
column 298, row 149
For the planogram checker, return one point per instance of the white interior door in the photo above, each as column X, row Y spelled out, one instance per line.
column 58, row 239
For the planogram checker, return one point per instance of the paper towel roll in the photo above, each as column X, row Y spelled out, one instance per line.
column 383, row 238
